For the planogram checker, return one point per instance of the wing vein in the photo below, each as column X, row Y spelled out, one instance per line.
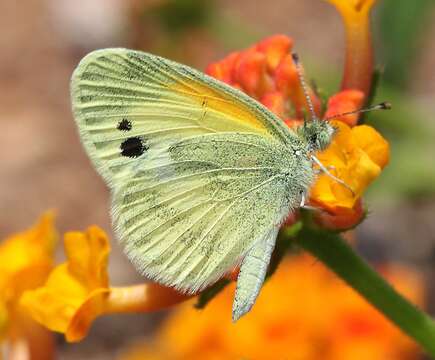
column 184, row 177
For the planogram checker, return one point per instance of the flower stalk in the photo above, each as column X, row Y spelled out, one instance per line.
column 358, row 68
column 142, row 298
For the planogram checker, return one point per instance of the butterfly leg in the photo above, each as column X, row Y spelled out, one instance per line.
column 319, row 171
column 302, row 199
column 252, row 273
column 307, row 207
column 325, row 170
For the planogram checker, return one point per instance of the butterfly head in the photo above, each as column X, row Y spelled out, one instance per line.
column 317, row 134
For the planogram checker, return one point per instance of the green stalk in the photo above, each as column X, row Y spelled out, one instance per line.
column 337, row 255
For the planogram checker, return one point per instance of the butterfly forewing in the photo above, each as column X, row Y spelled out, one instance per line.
column 139, row 103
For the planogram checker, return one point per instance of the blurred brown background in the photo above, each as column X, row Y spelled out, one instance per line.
column 44, row 166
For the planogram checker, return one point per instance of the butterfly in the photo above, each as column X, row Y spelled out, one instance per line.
column 201, row 175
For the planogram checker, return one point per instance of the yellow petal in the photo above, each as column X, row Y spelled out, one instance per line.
column 87, row 255
column 84, row 316
column 55, row 304
column 373, row 144
column 26, row 259
column 29, row 248
column 353, row 154
column 74, row 283
column 353, row 8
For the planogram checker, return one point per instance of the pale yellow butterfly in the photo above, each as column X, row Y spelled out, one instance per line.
column 201, row 174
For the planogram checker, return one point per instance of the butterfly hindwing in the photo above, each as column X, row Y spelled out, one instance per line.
column 191, row 218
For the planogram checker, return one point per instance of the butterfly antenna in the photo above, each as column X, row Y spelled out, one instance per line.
column 382, row 106
column 304, row 86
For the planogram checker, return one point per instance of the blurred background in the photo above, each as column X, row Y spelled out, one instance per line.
column 44, row 166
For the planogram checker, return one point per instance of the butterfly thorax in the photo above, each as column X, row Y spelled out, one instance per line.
column 316, row 134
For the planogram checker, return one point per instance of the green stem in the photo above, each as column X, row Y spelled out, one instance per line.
column 333, row 251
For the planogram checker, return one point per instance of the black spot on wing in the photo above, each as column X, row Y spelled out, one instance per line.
column 133, row 147
column 124, row 125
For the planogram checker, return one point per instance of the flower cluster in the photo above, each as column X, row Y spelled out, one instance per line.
column 68, row 297
column 267, row 72
column 74, row 290
column 77, row 291
column 288, row 322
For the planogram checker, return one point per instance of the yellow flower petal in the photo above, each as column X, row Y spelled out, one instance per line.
column 74, row 283
column 84, row 316
column 87, row 257
column 353, row 8
column 22, row 251
column 373, row 144
column 357, row 156
column 26, row 259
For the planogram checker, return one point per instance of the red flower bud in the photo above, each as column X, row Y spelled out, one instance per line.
column 250, row 73
column 275, row 48
column 275, row 102
column 345, row 101
column 223, row 70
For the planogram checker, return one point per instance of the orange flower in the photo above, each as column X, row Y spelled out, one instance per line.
column 78, row 291
column 81, row 282
column 290, row 321
column 357, row 155
column 288, row 83
column 344, row 102
column 25, row 260
column 267, row 72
